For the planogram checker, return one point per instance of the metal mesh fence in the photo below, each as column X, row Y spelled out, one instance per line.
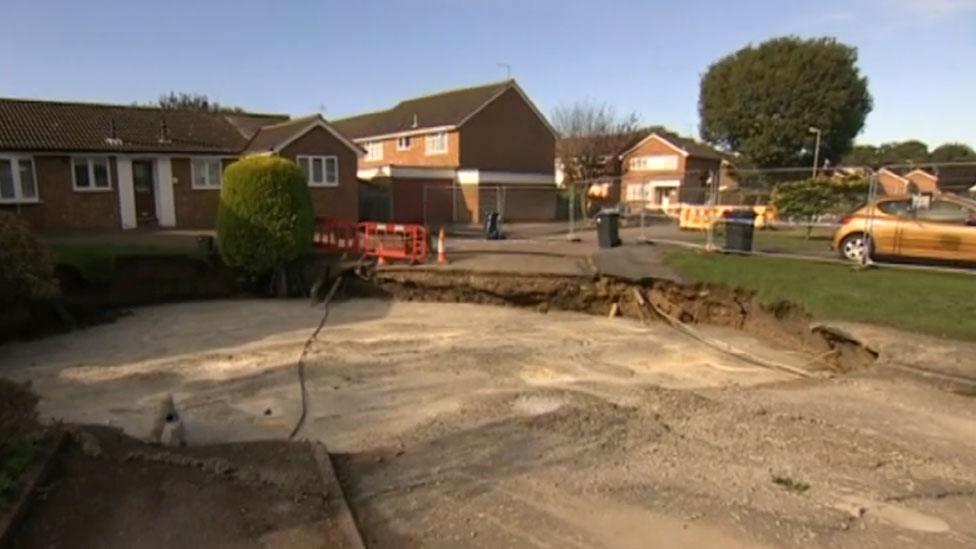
column 902, row 214
column 858, row 214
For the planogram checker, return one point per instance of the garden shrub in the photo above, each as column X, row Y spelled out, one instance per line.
column 26, row 269
column 811, row 198
column 265, row 218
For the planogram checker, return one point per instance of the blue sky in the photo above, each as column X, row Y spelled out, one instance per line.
column 301, row 56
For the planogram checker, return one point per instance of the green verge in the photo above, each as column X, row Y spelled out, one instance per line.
column 941, row 304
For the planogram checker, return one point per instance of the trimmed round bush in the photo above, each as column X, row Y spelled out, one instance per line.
column 265, row 217
column 26, row 269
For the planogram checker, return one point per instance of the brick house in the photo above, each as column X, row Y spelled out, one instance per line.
column 651, row 169
column 662, row 170
column 82, row 166
column 958, row 179
column 454, row 155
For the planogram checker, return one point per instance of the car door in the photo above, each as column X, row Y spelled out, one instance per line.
column 884, row 227
column 939, row 230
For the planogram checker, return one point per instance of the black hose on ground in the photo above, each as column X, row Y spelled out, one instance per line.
column 301, row 359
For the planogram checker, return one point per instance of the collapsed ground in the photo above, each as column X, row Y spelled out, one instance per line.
column 458, row 424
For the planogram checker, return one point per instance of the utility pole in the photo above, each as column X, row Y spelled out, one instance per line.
column 816, row 149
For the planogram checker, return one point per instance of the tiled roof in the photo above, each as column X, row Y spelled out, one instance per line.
column 694, row 148
column 690, row 146
column 612, row 145
column 268, row 137
column 31, row 125
column 448, row 108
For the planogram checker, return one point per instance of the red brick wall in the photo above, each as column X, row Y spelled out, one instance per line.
column 690, row 171
column 892, row 184
column 340, row 202
column 64, row 209
column 468, row 204
column 195, row 208
column 416, row 155
column 507, row 136
column 648, row 148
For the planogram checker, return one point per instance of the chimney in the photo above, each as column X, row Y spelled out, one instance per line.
column 163, row 132
column 416, row 122
column 113, row 138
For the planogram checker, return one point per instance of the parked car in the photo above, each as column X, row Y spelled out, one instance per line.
column 940, row 227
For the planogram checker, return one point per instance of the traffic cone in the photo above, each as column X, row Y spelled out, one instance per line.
column 441, row 253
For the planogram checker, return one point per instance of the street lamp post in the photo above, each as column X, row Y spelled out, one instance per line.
column 816, row 149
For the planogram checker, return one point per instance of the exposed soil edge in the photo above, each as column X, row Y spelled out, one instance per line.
column 784, row 322
column 333, row 493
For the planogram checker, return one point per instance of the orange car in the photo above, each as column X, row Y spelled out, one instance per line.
column 941, row 227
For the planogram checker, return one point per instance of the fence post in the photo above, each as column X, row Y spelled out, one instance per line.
column 454, row 203
column 423, row 203
column 643, row 207
column 872, row 194
column 572, row 212
column 711, row 200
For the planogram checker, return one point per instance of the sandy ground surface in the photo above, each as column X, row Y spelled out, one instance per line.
column 462, row 425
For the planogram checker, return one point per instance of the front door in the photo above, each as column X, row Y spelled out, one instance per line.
column 144, row 185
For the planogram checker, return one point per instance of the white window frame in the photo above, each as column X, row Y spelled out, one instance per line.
column 325, row 172
column 18, row 198
column 207, row 185
column 653, row 163
column 429, row 138
column 92, row 188
column 400, row 140
column 374, row 150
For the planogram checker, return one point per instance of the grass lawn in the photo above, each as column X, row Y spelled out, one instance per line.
column 789, row 240
column 96, row 260
column 940, row 304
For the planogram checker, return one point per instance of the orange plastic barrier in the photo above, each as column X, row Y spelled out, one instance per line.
column 701, row 218
column 390, row 241
column 333, row 234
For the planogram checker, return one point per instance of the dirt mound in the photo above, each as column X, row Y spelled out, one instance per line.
column 783, row 322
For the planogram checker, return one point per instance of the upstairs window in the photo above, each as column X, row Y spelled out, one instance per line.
column 17, row 181
column 657, row 162
column 90, row 173
column 436, row 143
column 403, row 143
column 374, row 150
column 320, row 171
column 206, row 173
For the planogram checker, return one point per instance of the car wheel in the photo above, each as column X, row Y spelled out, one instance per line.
column 854, row 247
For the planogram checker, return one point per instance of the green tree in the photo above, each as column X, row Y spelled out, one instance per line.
column 265, row 219
column 184, row 101
column 815, row 197
column 862, row 156
column 912, row 151
column 761, row 101
column 952, row 152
